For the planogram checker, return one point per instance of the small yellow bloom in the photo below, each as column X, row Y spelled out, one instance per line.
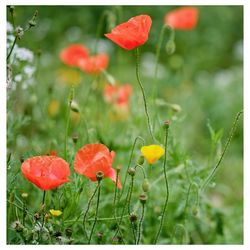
column 55, row 213
column 152, row 153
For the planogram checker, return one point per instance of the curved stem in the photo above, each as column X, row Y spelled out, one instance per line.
column 130, row 160
column 96, row 211
column 143, row 93
column 231, row 134
column 88, row 206
column 166, row 182
column 140, row 224
column 130, row 194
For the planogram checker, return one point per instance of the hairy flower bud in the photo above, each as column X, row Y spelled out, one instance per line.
column 141, row 160
column 170, row 47
column 145, row 185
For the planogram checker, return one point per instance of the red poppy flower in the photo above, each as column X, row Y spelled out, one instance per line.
column 73, row 54
column 94, row 64
column 184, row 18
column 132, row 33
column 118, row 95
column 46, row 172
column 93, row 158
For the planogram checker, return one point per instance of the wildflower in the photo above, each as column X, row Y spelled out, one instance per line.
column 55, row 213
column 94, row 64
column 152, row 153
column 118, row 95
column 184, row 18
column 93, row 158
column 73, row 54
column 24, row 54
column 132, row 33
column 46, row 172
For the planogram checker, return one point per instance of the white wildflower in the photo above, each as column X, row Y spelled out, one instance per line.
column 9, row 27
column 18, row 78
column 24, row 54
column 29, row 71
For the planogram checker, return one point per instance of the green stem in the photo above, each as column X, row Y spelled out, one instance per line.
column 67, row 128
column 143, row 93
column 130, row 194
column 88, row 207
column 167, row 187
column 130, row 160
column 231, row 134
column 43, row 205
column 12, row 47
column 96, row 211
column 140, row 224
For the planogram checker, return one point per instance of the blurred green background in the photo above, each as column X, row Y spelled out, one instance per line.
column 204, row 77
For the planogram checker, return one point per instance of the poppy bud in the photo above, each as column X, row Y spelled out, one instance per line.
column 75, row 138
column 74, row 106
column 99, row 175
column 143, row 198
column 131, row 171
column 133, row 217
column 176, row 108
column 170, row 47
column 145, row 185
column 141, row 160
column 24, row 195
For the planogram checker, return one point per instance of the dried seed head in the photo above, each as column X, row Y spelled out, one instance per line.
column 143, row 198
column 167, row 123
column 133, row 217
column 75, row 137
column 99, row 175
column 118, row 168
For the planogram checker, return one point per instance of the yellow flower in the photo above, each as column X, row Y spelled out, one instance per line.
column 152, row 153
column 55, row 213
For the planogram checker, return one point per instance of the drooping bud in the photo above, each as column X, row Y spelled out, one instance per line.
column 170, row 47
column 141, row 160
column 99, row 175
column 131, row 171
column 143, row 198
column 74, row 106
column 145, row 185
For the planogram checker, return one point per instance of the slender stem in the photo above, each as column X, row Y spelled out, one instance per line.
column 133, row 225
column 12, row 47
column 142, row 169
column 143, row 93
column 166, row 182
column 67, row 127
column 96, row 211
column 140, row 224
column 88, row 207
column 114, row 203
column 231, row 134
column 130, row 194
column 130, row 160
column 43, row 205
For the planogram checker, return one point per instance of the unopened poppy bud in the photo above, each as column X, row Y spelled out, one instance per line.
column 145, row 185
column 141, row 160
column 24, row 195
column 170, row 47
column 68, row 232
column 99, row 175
column 167, row 123
column 133, row 217
column 143, row 198
column 74, row 106
column 176, row 107
column 75, row 138
column 131, row 171
column 195, row 211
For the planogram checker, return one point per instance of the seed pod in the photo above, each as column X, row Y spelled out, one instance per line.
column 143, row 198
column 131, row 171
column 133, row 217
column 99, row 175
column 75, row 138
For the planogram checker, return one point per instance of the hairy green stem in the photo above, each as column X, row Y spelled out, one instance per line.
column 12, row 47
column 96, row 211
column 231, row 134
column 143, row 93
column 88, row 207
column 166, row 183
column 140, row 224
